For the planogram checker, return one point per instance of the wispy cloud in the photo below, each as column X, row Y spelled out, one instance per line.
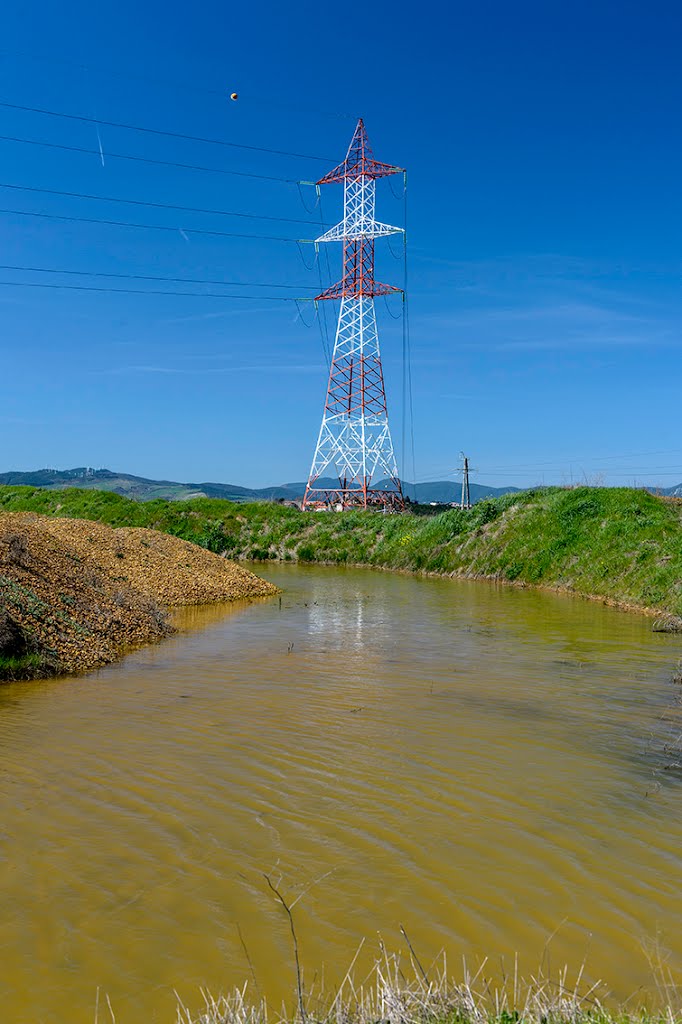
column 22, row 421
column 558, row 325
column 564, row 312
column 553, row 278
column 221, row 314
column 211, row 370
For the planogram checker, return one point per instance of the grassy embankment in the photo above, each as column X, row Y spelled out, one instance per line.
column 620, row 544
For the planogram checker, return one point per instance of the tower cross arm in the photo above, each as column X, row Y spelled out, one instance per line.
column 369, row 169
column 353, row 289
column 360, row 229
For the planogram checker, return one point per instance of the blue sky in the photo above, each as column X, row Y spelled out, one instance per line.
column 544, row 212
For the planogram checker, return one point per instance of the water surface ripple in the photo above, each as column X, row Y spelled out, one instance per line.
column 481, row 765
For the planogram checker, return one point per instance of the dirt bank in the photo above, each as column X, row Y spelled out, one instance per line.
column 75, row 594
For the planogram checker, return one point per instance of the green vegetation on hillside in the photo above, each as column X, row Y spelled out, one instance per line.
column 618, row 543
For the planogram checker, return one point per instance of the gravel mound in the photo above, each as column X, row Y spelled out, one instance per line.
column 75, row 594
column 169, row 570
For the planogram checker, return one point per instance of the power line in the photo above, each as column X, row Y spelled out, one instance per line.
column 560, row 462
column 145, row 291
column 152, row 227
column 157, row 131
column 407, row 352
column 147, row 277
column 322, row 320
column 156, row 206
column 165, row 83
column 147, row 160
column 564, row 459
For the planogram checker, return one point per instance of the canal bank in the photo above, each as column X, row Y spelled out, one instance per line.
column 620, row 545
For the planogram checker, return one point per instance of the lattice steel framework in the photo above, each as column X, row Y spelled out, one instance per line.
column 354, row 443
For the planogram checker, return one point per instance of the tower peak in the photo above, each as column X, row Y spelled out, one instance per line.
column 359, row 160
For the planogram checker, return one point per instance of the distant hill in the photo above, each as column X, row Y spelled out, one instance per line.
column 142, row 489
column 450, row 490
column 137, row 487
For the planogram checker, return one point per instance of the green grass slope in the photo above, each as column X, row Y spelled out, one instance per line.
column 617, row 543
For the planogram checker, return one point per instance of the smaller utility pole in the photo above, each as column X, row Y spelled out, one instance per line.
column 466, row 497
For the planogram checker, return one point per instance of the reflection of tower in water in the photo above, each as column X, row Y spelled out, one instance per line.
column 342, row 623
column 358, row 619
column 354, row 444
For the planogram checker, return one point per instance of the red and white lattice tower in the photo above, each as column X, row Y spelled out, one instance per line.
column 354, row 443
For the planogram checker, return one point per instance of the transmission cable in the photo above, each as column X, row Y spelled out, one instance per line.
column 393, row 316
column 407, row 355
column 149, row 160
column 155, row 206
column 396, row 255
column 148, row 277
column 184, row 87
column 144, row 291
column 299, row 314
column 154, row 227
column 322, row 320
column 157, row 131
column 403, row 446
column 398, row 195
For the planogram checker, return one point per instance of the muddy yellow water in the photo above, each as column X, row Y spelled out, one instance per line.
column 486, row 767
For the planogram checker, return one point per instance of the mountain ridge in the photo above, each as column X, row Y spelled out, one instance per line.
column 146, row 489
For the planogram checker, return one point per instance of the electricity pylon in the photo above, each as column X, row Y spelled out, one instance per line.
column 354, row 444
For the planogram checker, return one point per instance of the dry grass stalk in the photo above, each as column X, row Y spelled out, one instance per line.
column 396, row 992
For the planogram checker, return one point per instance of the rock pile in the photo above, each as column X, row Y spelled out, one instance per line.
column 75, row 595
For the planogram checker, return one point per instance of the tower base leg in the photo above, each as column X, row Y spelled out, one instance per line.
column 345, row 498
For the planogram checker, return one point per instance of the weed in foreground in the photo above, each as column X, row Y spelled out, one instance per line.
column 403, row 992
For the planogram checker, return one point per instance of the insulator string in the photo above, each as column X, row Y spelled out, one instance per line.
column 301, row 195
column 299, row 246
